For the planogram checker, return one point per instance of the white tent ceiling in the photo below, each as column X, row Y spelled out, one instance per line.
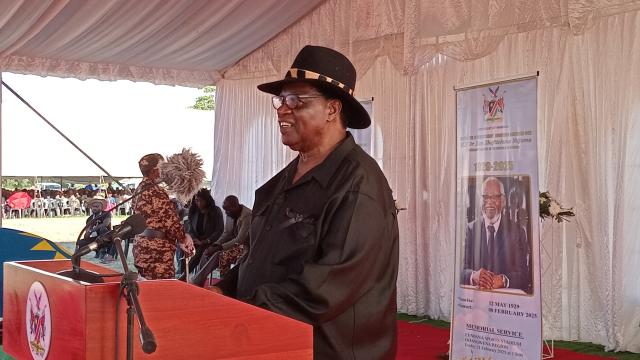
column 177, row 42
column 172, row 42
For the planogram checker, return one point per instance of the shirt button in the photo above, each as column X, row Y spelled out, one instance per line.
column 268, row 227
column 250, row 262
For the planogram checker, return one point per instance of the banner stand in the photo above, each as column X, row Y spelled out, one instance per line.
column 497, row 312
column 548, row 348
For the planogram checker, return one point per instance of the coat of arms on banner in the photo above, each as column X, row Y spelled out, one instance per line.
column 494, row 106
column 38, row 318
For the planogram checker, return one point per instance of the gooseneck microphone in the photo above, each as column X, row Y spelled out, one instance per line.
column 133, row 225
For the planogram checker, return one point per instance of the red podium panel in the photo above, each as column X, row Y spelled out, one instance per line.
column 188, row 322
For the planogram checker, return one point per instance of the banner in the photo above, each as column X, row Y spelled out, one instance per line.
column 496, row 303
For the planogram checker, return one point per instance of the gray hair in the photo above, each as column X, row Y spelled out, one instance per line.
column 493, row 178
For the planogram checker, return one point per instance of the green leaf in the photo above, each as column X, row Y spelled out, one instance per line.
column 207, row 101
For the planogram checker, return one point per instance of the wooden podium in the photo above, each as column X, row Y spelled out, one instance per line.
column 188, row 322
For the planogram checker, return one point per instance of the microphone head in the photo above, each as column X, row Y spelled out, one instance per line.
column 136, row 222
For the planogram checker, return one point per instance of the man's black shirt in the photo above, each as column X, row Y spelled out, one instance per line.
column 324, row 250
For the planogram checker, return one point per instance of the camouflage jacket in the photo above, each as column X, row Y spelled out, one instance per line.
column 158, row 210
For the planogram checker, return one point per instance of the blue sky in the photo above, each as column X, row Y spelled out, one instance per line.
column 115, row 122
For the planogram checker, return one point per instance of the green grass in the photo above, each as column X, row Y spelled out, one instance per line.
column 4, row 356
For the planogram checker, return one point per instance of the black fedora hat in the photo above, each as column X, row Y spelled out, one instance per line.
column 332, row 72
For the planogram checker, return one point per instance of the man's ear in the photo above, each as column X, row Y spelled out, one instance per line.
column 334, row 109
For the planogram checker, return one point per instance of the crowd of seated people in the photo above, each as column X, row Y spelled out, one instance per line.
column 56, row 203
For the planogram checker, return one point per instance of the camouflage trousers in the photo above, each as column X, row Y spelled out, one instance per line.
column 230, row 256
column 154, row 258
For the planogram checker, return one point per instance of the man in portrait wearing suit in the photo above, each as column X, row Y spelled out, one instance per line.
column 495, row 249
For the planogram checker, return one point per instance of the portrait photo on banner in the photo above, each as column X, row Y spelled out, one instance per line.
column 497, row 243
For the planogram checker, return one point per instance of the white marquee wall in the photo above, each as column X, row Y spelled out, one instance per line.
column 589, row 122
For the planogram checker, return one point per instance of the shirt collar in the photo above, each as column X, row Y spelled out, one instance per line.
column 325, row 170
column 495, row 223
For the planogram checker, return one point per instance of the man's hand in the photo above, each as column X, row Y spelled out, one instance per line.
column 498, row 281
column 187, row 245
column 214, row 248
column 197, row 242
column 483, row 278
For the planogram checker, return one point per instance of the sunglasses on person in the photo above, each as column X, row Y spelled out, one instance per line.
column 292, row 100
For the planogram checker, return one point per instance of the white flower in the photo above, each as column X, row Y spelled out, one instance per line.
column 554, row 208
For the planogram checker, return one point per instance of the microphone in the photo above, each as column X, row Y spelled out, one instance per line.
column 133, row 225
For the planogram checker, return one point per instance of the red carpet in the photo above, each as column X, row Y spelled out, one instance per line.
column 423, row 341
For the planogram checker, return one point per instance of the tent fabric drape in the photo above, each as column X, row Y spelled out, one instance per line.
column 412, row 32
column 179, row 42
column 588, row 113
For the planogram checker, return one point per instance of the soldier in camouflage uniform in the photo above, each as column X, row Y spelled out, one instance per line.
column 155, row 247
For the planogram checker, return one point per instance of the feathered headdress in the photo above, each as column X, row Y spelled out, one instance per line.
column 183, row 174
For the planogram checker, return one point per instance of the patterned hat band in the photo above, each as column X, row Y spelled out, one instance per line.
column 306, row 74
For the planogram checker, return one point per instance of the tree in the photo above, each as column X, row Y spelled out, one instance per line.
column 16, row 183
column 207, row 101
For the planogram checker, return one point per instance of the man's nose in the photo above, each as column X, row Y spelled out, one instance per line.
column 283, row 110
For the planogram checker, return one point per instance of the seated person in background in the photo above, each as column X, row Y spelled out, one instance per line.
column 183, row 216
column 100, row 221
column 111, row 202
column 230, row 246
column 205, row 223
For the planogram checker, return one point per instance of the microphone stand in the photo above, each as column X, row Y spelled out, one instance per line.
column 129, row 289
column 80, row 274
column 76, row 272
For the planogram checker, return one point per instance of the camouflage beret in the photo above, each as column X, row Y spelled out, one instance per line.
column 149, row 162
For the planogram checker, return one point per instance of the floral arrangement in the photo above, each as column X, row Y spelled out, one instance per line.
column 551, row 208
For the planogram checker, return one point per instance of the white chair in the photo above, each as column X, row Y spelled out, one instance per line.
column 35, row 208
column 53, row 209
column 76, row 209
column 64, row 206
column 16, row 211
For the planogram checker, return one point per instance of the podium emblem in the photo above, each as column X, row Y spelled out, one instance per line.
column 38, row 319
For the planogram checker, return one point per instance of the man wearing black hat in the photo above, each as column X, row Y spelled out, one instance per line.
column 324, row 234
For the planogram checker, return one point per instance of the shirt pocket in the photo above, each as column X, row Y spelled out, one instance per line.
column 296, row 245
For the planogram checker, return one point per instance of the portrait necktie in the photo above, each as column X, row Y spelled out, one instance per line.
column 492, row 237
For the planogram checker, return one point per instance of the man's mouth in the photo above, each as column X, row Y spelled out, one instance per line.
column 284, row 125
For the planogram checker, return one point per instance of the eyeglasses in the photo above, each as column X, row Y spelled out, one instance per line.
column 292, row 100
column 491, row 197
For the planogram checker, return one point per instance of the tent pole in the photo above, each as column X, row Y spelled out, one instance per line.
column 1, row 215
